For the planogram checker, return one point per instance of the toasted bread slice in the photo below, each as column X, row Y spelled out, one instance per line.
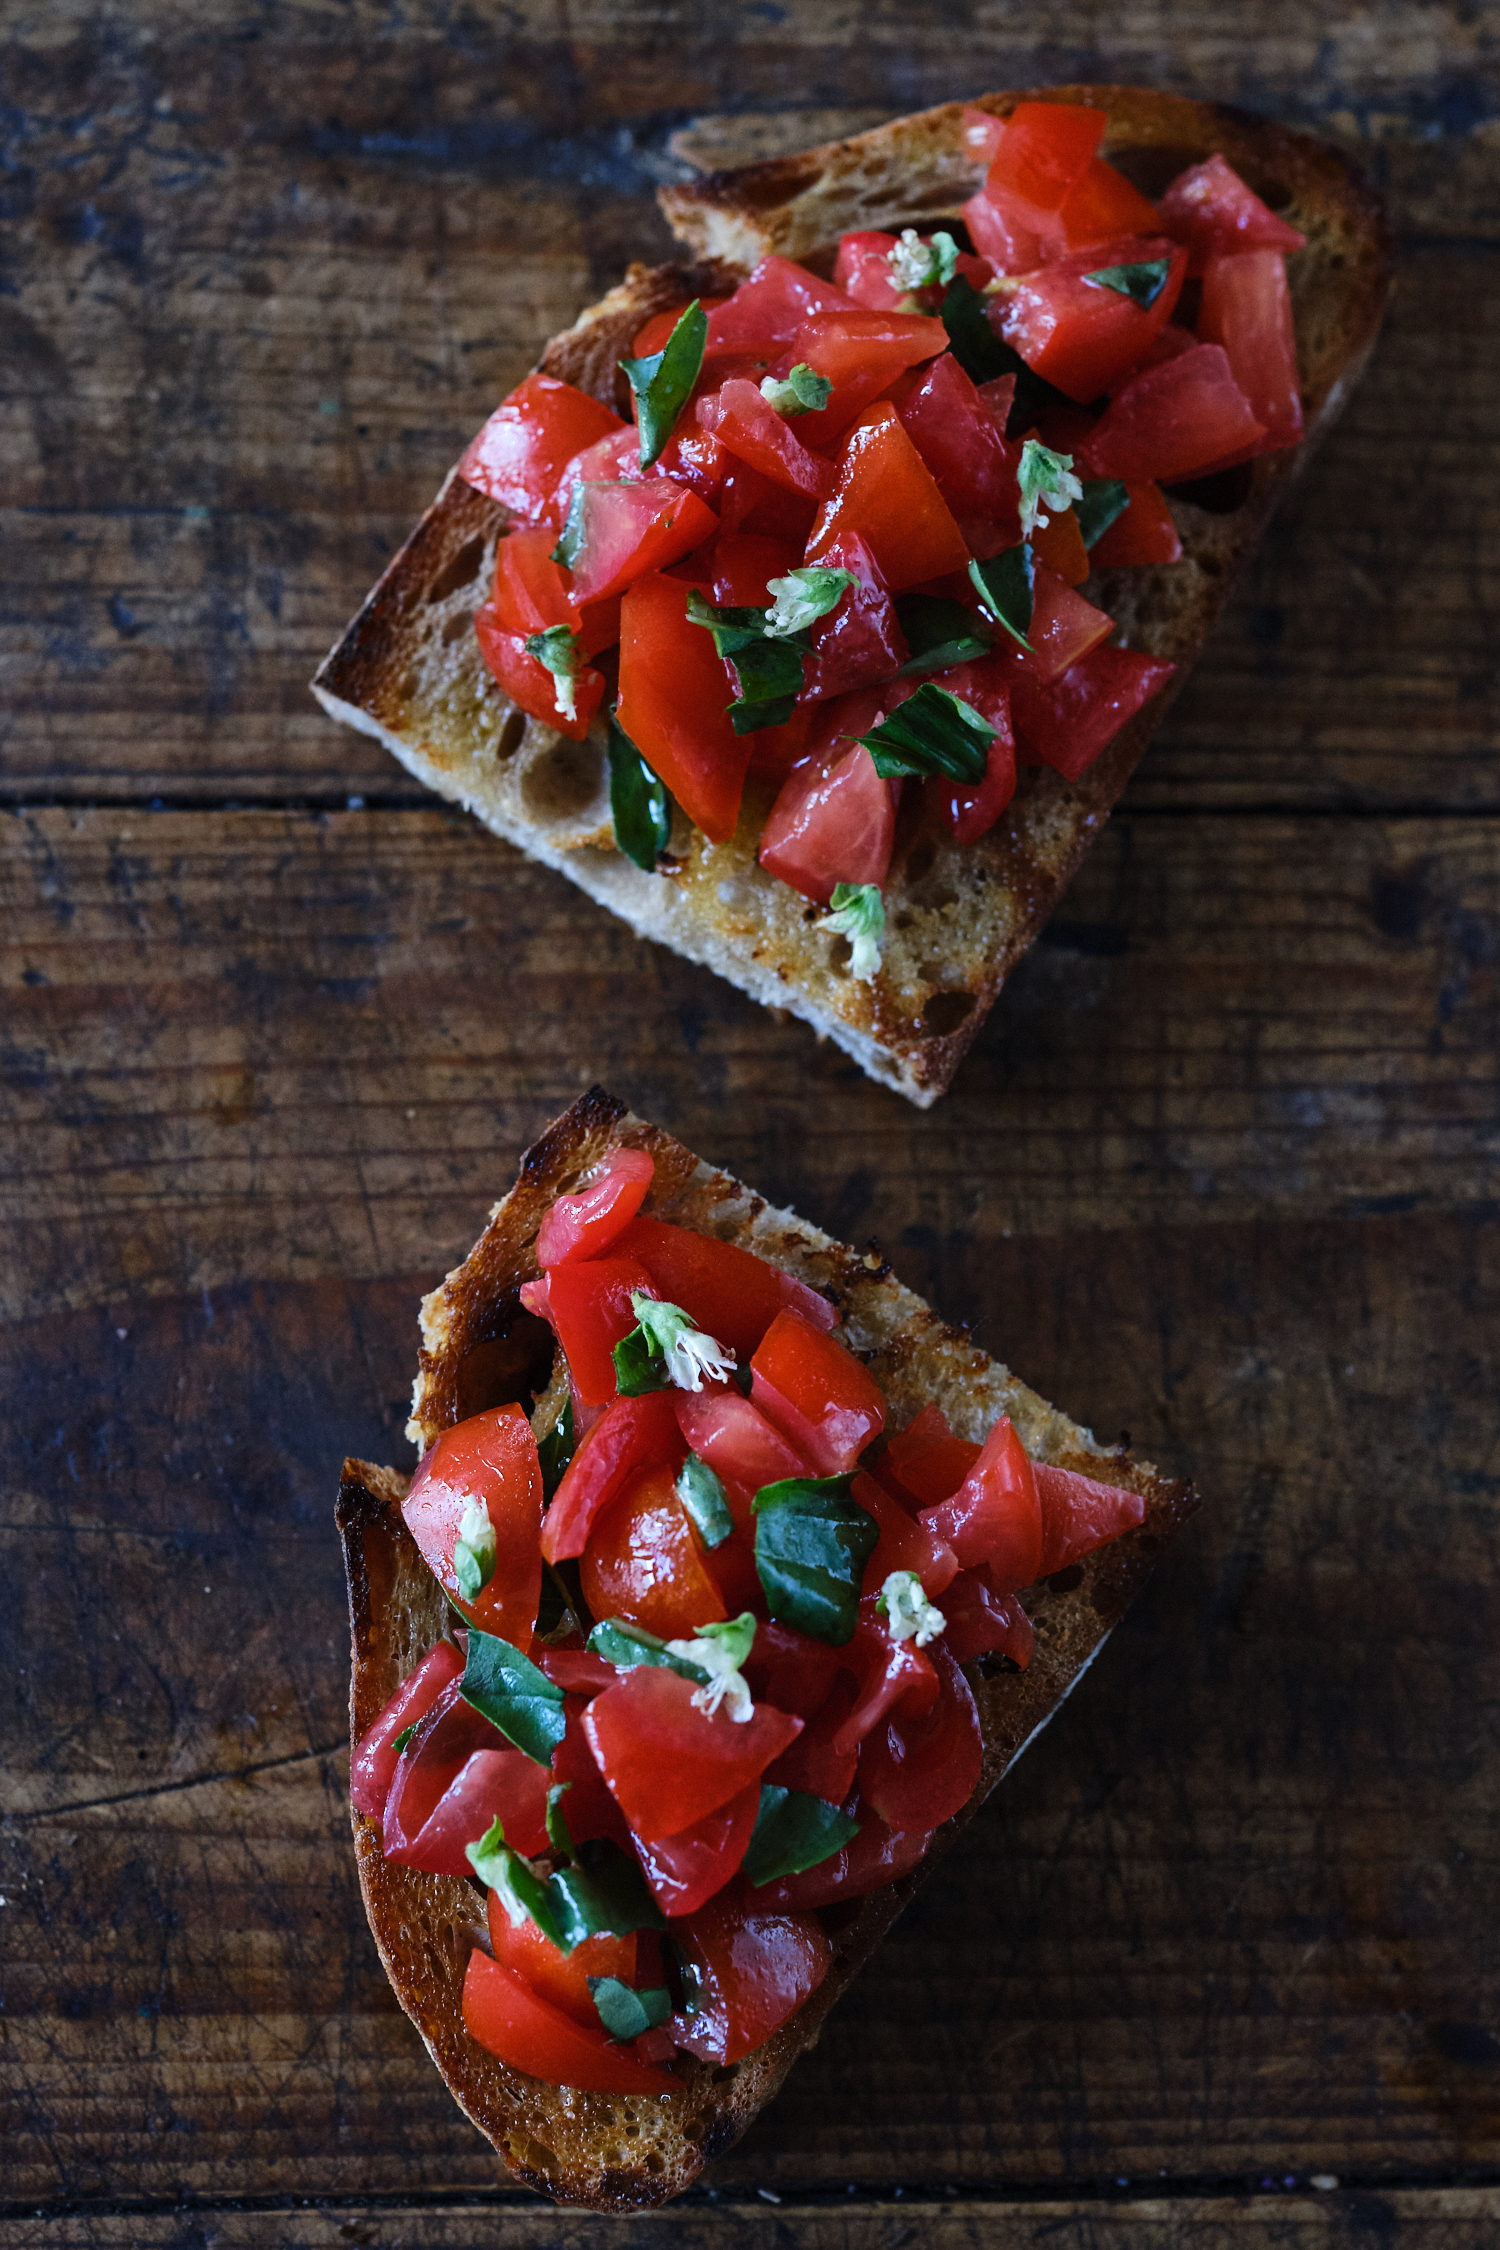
column 408, row 669
column 613, row 2153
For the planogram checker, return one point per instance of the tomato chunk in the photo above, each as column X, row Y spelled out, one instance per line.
column 589, row 1306
column 918, row 1772
column 490, row 1459
column 528, row 682
column 750, row 427
column 659, row 327
column 1041, row 154
column 771, row 306
column 1067, row 724
column 816, row 1393
column 820, row 1761
column 1210, row 208
column 588, row 1807
column 744, row 562
column 886, row 493
column 532, row 2034
column 861, row 353
column 446, row 1740
column 888, row 1673
column 729, row 1292
column 583, row 1224
column 962, row 443
column 860, row 641
column 631, row 1434
column 926, row 1460
column 742, row 1448
column 1063, row 628
column 531, row 592
column 685, row 1870
column 834, row 821
column 1080, row 1514
column 523, row 448
column 1101, row 204
column 980, row 1621
column 968, row 810
column 1059, row 544
column 1083, row 335
column 995, row 1517
column 644, row 1562
column 1144, row 533
column 877, row 1855
column 492, row 1784
column 1247, row 308
column 1172, row 420
column 666, row 1763
column 863, row 270
column 373, row 1765
column 674, row 694
column 628, row 530
column 905, row 1542
column 562, row 1979
column 752, row 1969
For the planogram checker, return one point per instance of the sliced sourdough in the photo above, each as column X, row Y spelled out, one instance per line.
column 480, row 1349
column 408, row 669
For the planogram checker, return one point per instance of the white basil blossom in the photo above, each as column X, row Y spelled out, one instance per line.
column 916, row 264
column 858, row 913
column 558, row 650
column 475, row 1547
column 720, row 1650
column 1046, row 479
column 909, row 1614
column 689, row 1353
column 801, row 391
column 802, row 597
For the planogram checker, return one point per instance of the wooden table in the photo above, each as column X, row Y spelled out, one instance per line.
column 1218, row 1966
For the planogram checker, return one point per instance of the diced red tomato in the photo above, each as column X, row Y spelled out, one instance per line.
column 691, row 457
column 1002, row 232
column 961, row 440
column 1101, row 204
column 728, row 1291
column 1059, row 544
column 527, row 442
column 978, row 1620
column 877, row 1855
column 742, row 1448
column 816, row 1763
column 995, row 1517
column 1172, row 420
column 668, row 1764
column 591, row 1311
column 1068, row 723
column 1079, row 1514
column 1210, row 208
column 531, row 592
column 532, row 2035
column 615, row 459
column 918, row 1772
column 860, row 641
column 790, row 1670
column 754, row 1969
column 926, row 1460
column 572, row 1666
column 861, row 353
column 530, row 685
column 771, row 306
column 491, row 1458
column 653, row 336
column 631, row 1434
column 644, row 1562
column 970, row 810
column 493, row 1784
column 886, row 493
column 1063, row 628
column 685, row 1870
column 816, row 1393
column 585, row 1223
column 1144, row 533
column 834, row 821
column 982, row 134
column 752, row 502
column 743, row 562
column 629, row 530
column 863, row 270
column 674, row 693
column 588, row 1807
column 1081, row 335
column 889, row 1674
column 1043, row 152
column 373, row 1765
column 562, row 1979
column 1247, row 308
column 905, row 1542
column 741, row 419
column 1170, row 344
column 445, row 1740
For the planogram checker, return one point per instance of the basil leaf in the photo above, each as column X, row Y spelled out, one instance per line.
column 1007, row 587
column 639, row 803
column 626, row 2013
column 812, row 1542
column 509, row 1691
column 794, row 1830
column 555, row 1450
column 405, row 1736
column 663, row 381
column 1104, row 500
column 605, row 1891
column 639, row 1366
column 571, row 541
column 1142, row 283
column 702, row 1495
column 520, row 1889
column 934, row 731
column 556, row 650
column 469, row 1571
column 939, row 633
column 983, row 355
column 625, row 1646
column 559, row 1835
column 766, row 667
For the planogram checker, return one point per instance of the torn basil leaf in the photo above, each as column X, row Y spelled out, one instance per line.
column 793, row 1831
column 1142, row 283
column 1104, row 501
column 405, row 1736
column 604, row 1890
column 571, row 539
column 766, row 667
column 702, row 1495
column 557, row 651
column 625, row 1646
column 663, row 381
column 1007, row 587
column 799, row 392
column 812, row 1541
column 639, row 1366
column 508, row 1690
column 559, row 1835
column 934, row 731
column 983, row 355
column 555, row 1450
column 939, row 632
column 626, row 2013
column 639, row 803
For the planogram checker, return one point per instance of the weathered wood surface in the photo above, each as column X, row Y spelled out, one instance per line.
column 1222, row 1168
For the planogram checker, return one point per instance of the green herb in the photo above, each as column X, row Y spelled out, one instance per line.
column 484, row 1855
column 639, row 1367
column 702, row 1495
column 767, row 668
column 719, row 1649
column 605, row 1890
column 405, row 1736
column 525, row 1895
column 509, row 1691
column 812, row 1542
column 559, row 1835
column 639, row 803
column 665, row 1348
column 800, row 392
column 626, row 2013
column 857, row 912
column 557, row 650
column 663, row 381
column 1104, row 500
column 625, row 1646
column 793, row 1831
column 555, row 1450
column 1142, row 283
column 570, row 544
column 983, row 355
column 803, row 596
column 1007, row 587
column 934, row 731
column 475, row 1550
column 939, row 632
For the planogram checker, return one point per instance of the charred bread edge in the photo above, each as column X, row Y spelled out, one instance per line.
column 793, row 205
column 579, row 2147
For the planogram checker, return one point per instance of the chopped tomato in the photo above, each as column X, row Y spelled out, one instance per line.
column 926, row 1460
column 685, row 1870
column 969, row 810
column 1080, row 334
column 1067, row 724
column 666, row 1763
column 743, row 563
column 561, row 1978
column 539, row 2039
column 834, row 821
column 863, row 270
column 886, row 493
column 742, row 1448
column 492, row 1784
column 691, row 457
column 750, row 427
column 645, row 1563
column 752, row 502
column 1079, row 1514
column 374, row 1762
column 631, row 1434
column 1172, row 420
column 531, row 592
column 750, row 1970
column 995, row 1517
column 615, row 459
column 861, row 353
column 674, row 694
column 877, row 1855
column 1059, row 544
column 588, row 1807
column 816, row 1393
column 585, row 1223
column 771, row 306
column 860, row 641
column 961, row 440
column 888, row 1674
column 820, row 1761
column 918, row 1772
column 728, row 1291
column 1063, row 627
column 1210, row 208
column 1144, row 533
column 905, row 1542
column 589, row 1307
column 628, row 530
column 1247, row 308
column 978, row 1621
column 528, row 682
column 527, row 442
column 572, row 1666
column 1042, row 152
column 490, row 1459
column 653, row 336
column 1102, row 204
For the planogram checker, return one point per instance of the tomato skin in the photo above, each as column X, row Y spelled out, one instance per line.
column 877, row 1855
column 653, row 336
column 643, row 1562
column 674, row 693
column 630, row 529
column 751, row 429
column 860, row 641
column 995, row 1517
column 1063, row 628
column 1083, row 336
column 729, row 1292
column 562, row 1979
column 615, row 459
column 588, row 1807
column 691, row 457
column 925, row 1460
column 755, row 1969
column 373, row 1766
column 744, row 562
column 905, row 1543
column 585, row 1223
column 1101, row 205
column 1209, row 208
column 817, row 1394
column 861, row 353
column 980, row 1620
column 630, row 1434
column 771, row 306
column 961, row 440
column 667, row 1764
column 888, row 1674
column 863, row 270
column 531, row 592
column 530, row 2034
column 885, row 491
column 741, row 1447
column 834, row 821
column 918, row 1772
column 523, row 448
column 491, row 1458
column 1247, row 308
column 816, row 1762
column 1067, row 724
column 590, row 1308
column 1059, row 544
column 683, row 1871
column 1172, row 420
column 529, row 684
column 1079, row 1514
column 498, row 1784
column 1144, row 533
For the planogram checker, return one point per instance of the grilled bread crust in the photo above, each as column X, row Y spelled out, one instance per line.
column 408, row 669
column 616, row 2153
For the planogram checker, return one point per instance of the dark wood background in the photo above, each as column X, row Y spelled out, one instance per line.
column 1218, row 1967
